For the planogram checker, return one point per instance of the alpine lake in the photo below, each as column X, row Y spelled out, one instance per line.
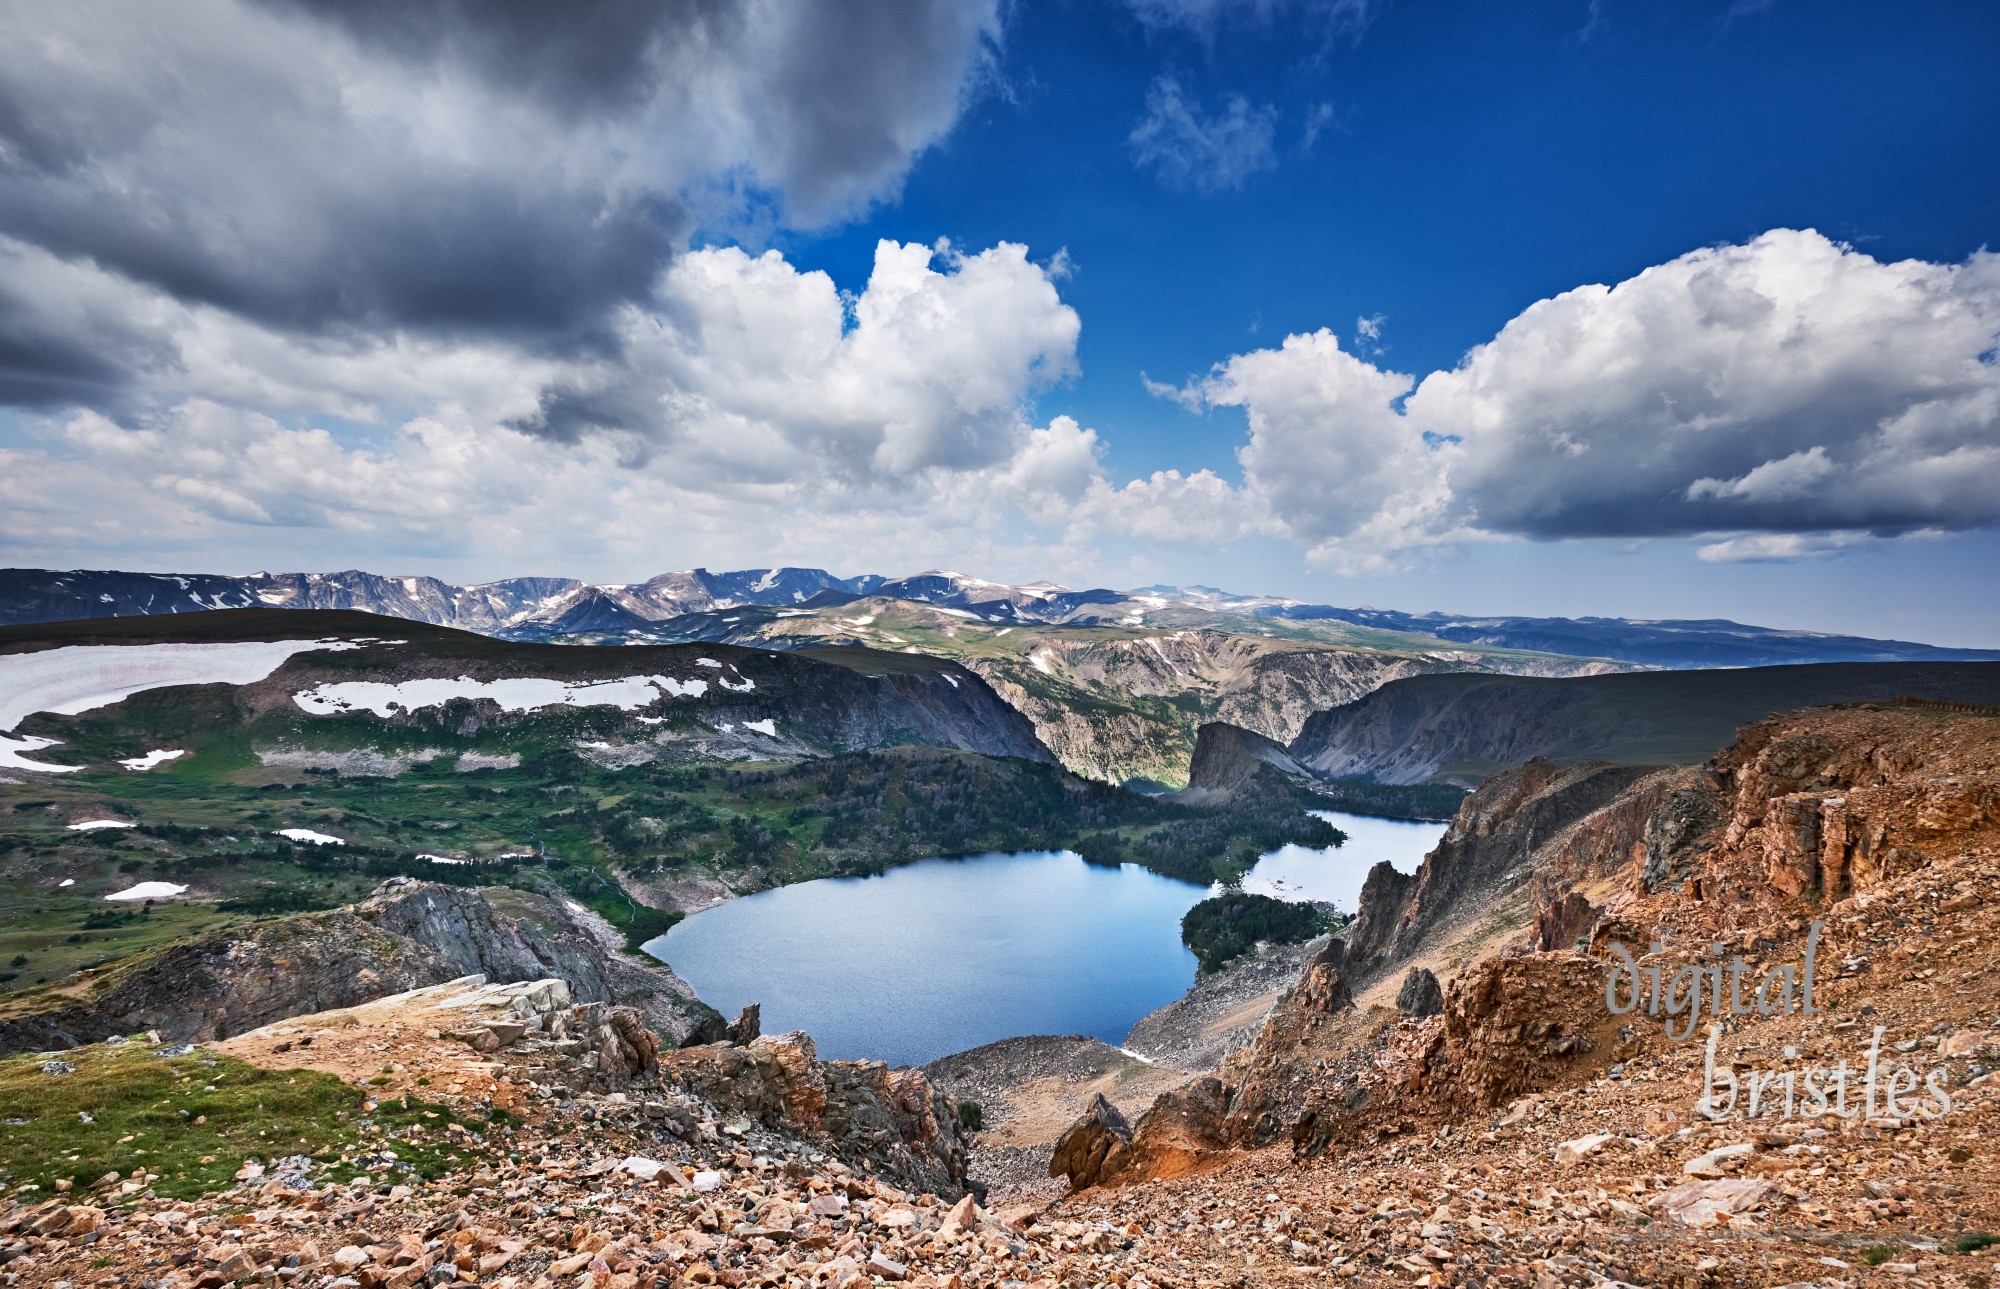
column 943, row 955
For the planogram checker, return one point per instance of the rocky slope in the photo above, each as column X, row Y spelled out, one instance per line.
column 1464, row 727
column 1521, row 1135
column 407, row 935
column 1527, row 1132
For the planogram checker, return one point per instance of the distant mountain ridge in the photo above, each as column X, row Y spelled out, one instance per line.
column 1462, row 727
column 689, row 604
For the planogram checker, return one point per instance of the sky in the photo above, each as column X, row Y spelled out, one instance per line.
column 1595, row 307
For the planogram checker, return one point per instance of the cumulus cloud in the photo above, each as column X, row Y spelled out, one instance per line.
column 753, row 408
column 441, row 166
column 748, row 368
column 1790, row 396
column 1185, row 145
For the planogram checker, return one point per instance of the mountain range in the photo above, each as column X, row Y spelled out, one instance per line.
column 675, row 605
column 1116, row 683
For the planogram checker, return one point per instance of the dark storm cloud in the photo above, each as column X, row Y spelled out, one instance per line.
column 582, row 57
column 499, row 170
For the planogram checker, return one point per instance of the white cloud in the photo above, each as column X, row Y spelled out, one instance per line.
column 502, row 173
column 1187, row 146
column 748, row 369
column 1790, row 396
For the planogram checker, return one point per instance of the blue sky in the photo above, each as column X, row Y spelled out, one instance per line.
column 563, row 316
column 1479, row 159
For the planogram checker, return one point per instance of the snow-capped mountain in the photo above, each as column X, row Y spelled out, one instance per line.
column 694, row 603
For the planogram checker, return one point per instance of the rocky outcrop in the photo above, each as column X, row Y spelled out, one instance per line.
column 1228, row 759
column 1565, row 921
column 891, row 1121
column 227, row 982
column 1515, row 1024
column 405, row 936
column 1496, row 833
column 1468, row 726
column 1092, row 1150
column 508, row 934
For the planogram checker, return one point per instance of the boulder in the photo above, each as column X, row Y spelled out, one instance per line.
column 1181, row 1128
column 1421, row 995
column 1705, row 1203
column 1093, row 1148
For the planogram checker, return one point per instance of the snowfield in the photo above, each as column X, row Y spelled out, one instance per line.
column 152, row 759
column 522, row 694
column 77, row 678
column 12, row 746
column 769, row 727
column 309, row 836
column 92, row 825
column 148, row 891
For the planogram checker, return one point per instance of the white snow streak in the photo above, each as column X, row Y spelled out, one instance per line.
column 152, row 759
column 520, row 694
column 93, row 825
column 148, row 891
column 11, row 758
column 77, row 678
column 309, row 836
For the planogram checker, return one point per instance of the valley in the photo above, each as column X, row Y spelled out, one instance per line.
column 416, row 867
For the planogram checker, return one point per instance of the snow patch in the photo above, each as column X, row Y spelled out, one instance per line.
column 1040, row 658
column 951, row 679
column 152, row 759
column 769, row 727
column 745, row 687
column 956, row 613
column 706, row 662
column 308, row 836
column 148, row 891
column 515, row 695
column 861, row 621
column 442, row 859
column 78, row 678
column 67, row 881
column 94, row 825
column 11, row 748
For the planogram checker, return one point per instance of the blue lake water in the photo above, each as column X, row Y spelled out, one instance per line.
column 939, row 956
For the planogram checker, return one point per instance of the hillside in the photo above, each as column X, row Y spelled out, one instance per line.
column 1118, row 691
column 378, row 690
column 1676, row 644
column 1465, row 727
column 1502, row 1127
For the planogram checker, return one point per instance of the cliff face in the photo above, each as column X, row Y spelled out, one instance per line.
column 1227, row 759
column 1467, row 726
column 1116, row 709
column 1490, row 848
column 509, row 935
column 405, row 936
